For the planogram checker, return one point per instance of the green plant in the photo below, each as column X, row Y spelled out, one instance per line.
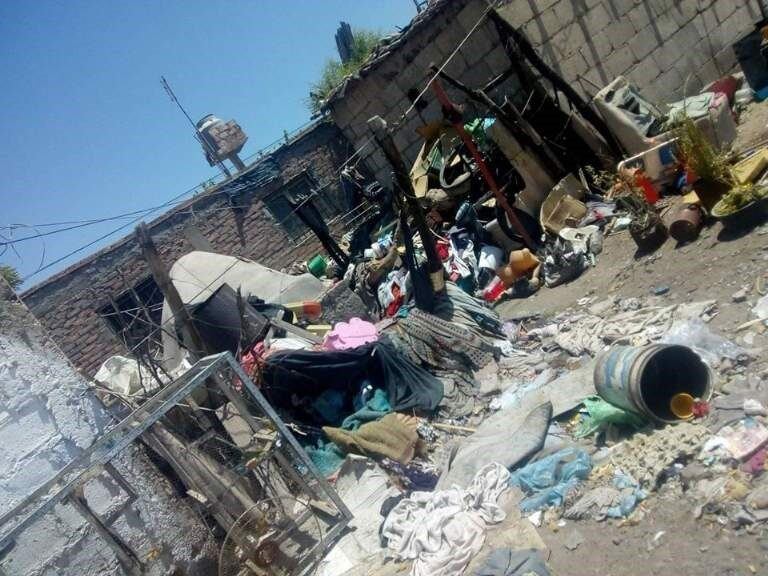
column 614, row 183
column 334, row 71
column 738, row 197
column 699, row 155
column 10, row 275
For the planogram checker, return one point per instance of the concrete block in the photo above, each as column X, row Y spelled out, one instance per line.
column 470, row 14
column 618, row 62
column 619, row 8
column 478, row 75
column 568, row 41
column 543, row 5
column 691, row 35
column 619, row 33
column 709, row 71
column 639, row 17
column 566, row 11
column 738, row 24
column 665, row 56
column 517, row 12
column 643, row 43
column 482, row 42
column 684, row 11
column 535, row 32
column 645, row 73
column 669, row 83
column 666, row 26
column 708, row 20
column 574, row 67
column 550, row 23
column 726, row 60
column 497, row 60
column 597, row 19
column 448, row 39
column 723, row 9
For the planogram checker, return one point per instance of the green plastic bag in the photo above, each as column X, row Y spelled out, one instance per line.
column 601, row 413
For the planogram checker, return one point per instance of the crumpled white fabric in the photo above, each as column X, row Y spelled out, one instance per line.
column 441, row 531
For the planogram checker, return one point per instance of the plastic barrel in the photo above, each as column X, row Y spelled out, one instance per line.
column 644, row 379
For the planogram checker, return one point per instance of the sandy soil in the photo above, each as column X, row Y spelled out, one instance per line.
column 715, row 266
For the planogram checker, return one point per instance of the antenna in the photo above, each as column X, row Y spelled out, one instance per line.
column 198, row 137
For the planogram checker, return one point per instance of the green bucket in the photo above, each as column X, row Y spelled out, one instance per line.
column 317, row 266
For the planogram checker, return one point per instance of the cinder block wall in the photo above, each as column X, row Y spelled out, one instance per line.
column 67, row 303
column 47, row 418
column 663, row 46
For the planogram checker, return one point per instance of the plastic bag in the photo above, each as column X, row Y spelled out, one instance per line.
column 695, row 334
column 549, row 480
column 601, row 413
column 631, row 495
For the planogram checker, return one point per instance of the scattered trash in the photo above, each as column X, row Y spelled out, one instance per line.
column 536, row 518
column 740, row 296
column 744, row 438
column 645, row 380
column 441, row 531
column 548, row 481
column 508, row 562
column 754, row 407
column 660, row 290
column 616, row 501
column 573, row 540
column 600, row 414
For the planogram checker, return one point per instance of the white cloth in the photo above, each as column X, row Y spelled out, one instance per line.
column 441, row 531
column 363, row 486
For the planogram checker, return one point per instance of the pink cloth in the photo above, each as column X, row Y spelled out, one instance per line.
column 350, row 334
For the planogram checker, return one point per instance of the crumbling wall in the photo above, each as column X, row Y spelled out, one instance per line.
column 47, row 418
column 68, row 302
column 665, row 46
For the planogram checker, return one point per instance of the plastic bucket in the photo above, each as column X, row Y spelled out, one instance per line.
column 317, row 266
column 644, row 379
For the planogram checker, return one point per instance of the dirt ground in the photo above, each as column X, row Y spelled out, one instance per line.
column 715, row 266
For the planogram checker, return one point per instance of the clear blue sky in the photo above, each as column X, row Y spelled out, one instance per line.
column 89, row 132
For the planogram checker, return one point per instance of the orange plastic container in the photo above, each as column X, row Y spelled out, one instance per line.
column 306, row 309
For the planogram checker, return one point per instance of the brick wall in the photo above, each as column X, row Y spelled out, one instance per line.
column 661, row 45
column 47, row 418
column 67, row 303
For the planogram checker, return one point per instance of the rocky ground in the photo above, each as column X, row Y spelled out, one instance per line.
column 665, row 537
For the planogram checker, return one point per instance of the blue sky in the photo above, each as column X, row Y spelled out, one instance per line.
column 88, row 131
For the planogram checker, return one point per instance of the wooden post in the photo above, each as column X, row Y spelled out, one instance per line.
column 403, row 181
column 192, row 339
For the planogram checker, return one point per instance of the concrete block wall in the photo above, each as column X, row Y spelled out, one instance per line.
column 47, row 418
column 667, row 47
column 385, row 90
column 67, row 304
